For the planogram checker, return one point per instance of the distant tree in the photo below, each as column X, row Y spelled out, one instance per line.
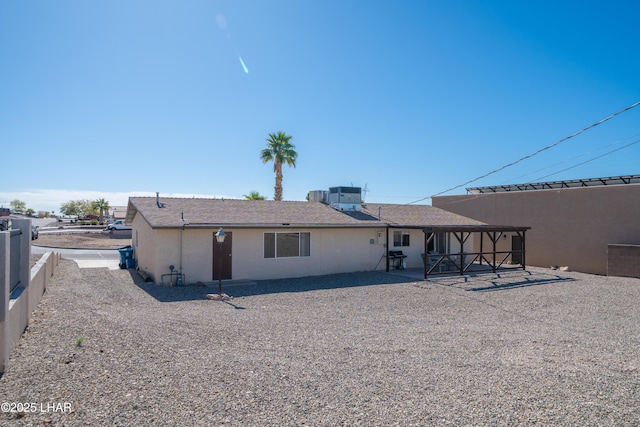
column 70, row 208
column 29, row 212
column 254, row 195
column 101, row 205
column 279, row 150
column 18, row 206
column 79, row 208
column 87, row 208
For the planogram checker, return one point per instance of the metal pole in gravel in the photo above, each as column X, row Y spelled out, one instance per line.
column 220, row 235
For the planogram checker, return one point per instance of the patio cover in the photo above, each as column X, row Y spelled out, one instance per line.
column 492, row 258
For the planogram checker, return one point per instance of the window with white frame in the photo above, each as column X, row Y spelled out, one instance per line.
column 442, row 243
column 439, row 243
column 286, row 245
column 401, row 238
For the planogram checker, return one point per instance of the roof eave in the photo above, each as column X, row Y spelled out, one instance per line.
column 270, row 225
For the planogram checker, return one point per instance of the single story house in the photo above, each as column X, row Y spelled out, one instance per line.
column 174, row 240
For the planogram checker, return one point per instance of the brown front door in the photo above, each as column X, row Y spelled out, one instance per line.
column 226, row 258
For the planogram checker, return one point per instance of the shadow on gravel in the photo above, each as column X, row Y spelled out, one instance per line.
column 263, row 287
column 315, row 283
column 502, row 281
column 170, row 294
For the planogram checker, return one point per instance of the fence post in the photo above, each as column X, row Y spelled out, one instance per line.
column 5, row 274
column 25, row 250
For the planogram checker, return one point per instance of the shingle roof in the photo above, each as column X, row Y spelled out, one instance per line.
column 268, row 213
column 416, row 215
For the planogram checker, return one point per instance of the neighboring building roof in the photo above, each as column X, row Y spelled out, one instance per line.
column 118, row 212
column 590, row 182
column 268, row 213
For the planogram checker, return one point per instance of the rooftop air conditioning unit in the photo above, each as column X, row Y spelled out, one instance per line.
column 319, row 196
column 345, row 198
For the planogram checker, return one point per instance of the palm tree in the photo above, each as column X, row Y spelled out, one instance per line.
column 279, row 150
column 102, row 205
column 254, row 195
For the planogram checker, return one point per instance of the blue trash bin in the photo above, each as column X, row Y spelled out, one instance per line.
column 126, row 257
column 131, row 263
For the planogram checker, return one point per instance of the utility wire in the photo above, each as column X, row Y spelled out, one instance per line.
column 481, row 195
column 534, row 153
column 568, row 161
column 590, row 160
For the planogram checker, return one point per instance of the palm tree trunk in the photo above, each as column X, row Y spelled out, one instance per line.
column 277, row 166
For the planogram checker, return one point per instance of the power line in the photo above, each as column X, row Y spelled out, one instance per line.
column 534, row 153
column 590, row 160
column 480, row 195
column 568, row 161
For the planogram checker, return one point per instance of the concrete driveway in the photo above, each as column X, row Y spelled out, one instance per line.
column 86, row 258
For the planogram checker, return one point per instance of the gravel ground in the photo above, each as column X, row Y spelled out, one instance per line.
column 539, row 347
column 76, row 240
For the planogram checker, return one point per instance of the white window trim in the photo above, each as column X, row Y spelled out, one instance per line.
column 276, row 244
column 402, row 233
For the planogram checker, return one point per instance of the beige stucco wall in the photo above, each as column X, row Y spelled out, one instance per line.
column 332, row 251
column 417, row 248
column 143, row 240
column 569, row 227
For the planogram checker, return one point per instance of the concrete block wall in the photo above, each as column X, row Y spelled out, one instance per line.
column 16, row 306
column 5, row 285
column 40, row 274
column 623, row 260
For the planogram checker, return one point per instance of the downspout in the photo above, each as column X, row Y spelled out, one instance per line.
column 181, row 232
column 184, row 224
column 387, row 248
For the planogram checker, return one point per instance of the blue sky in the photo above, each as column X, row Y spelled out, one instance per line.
column 117, row 98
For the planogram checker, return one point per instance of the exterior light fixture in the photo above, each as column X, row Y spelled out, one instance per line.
column 220, row 235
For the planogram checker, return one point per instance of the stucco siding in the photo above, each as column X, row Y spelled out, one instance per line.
column 332, row 251
column 197, row 254
column 143, row 240
column 169, row 252
column 416, row 248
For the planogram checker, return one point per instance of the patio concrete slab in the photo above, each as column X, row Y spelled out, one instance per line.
column 111, row 264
